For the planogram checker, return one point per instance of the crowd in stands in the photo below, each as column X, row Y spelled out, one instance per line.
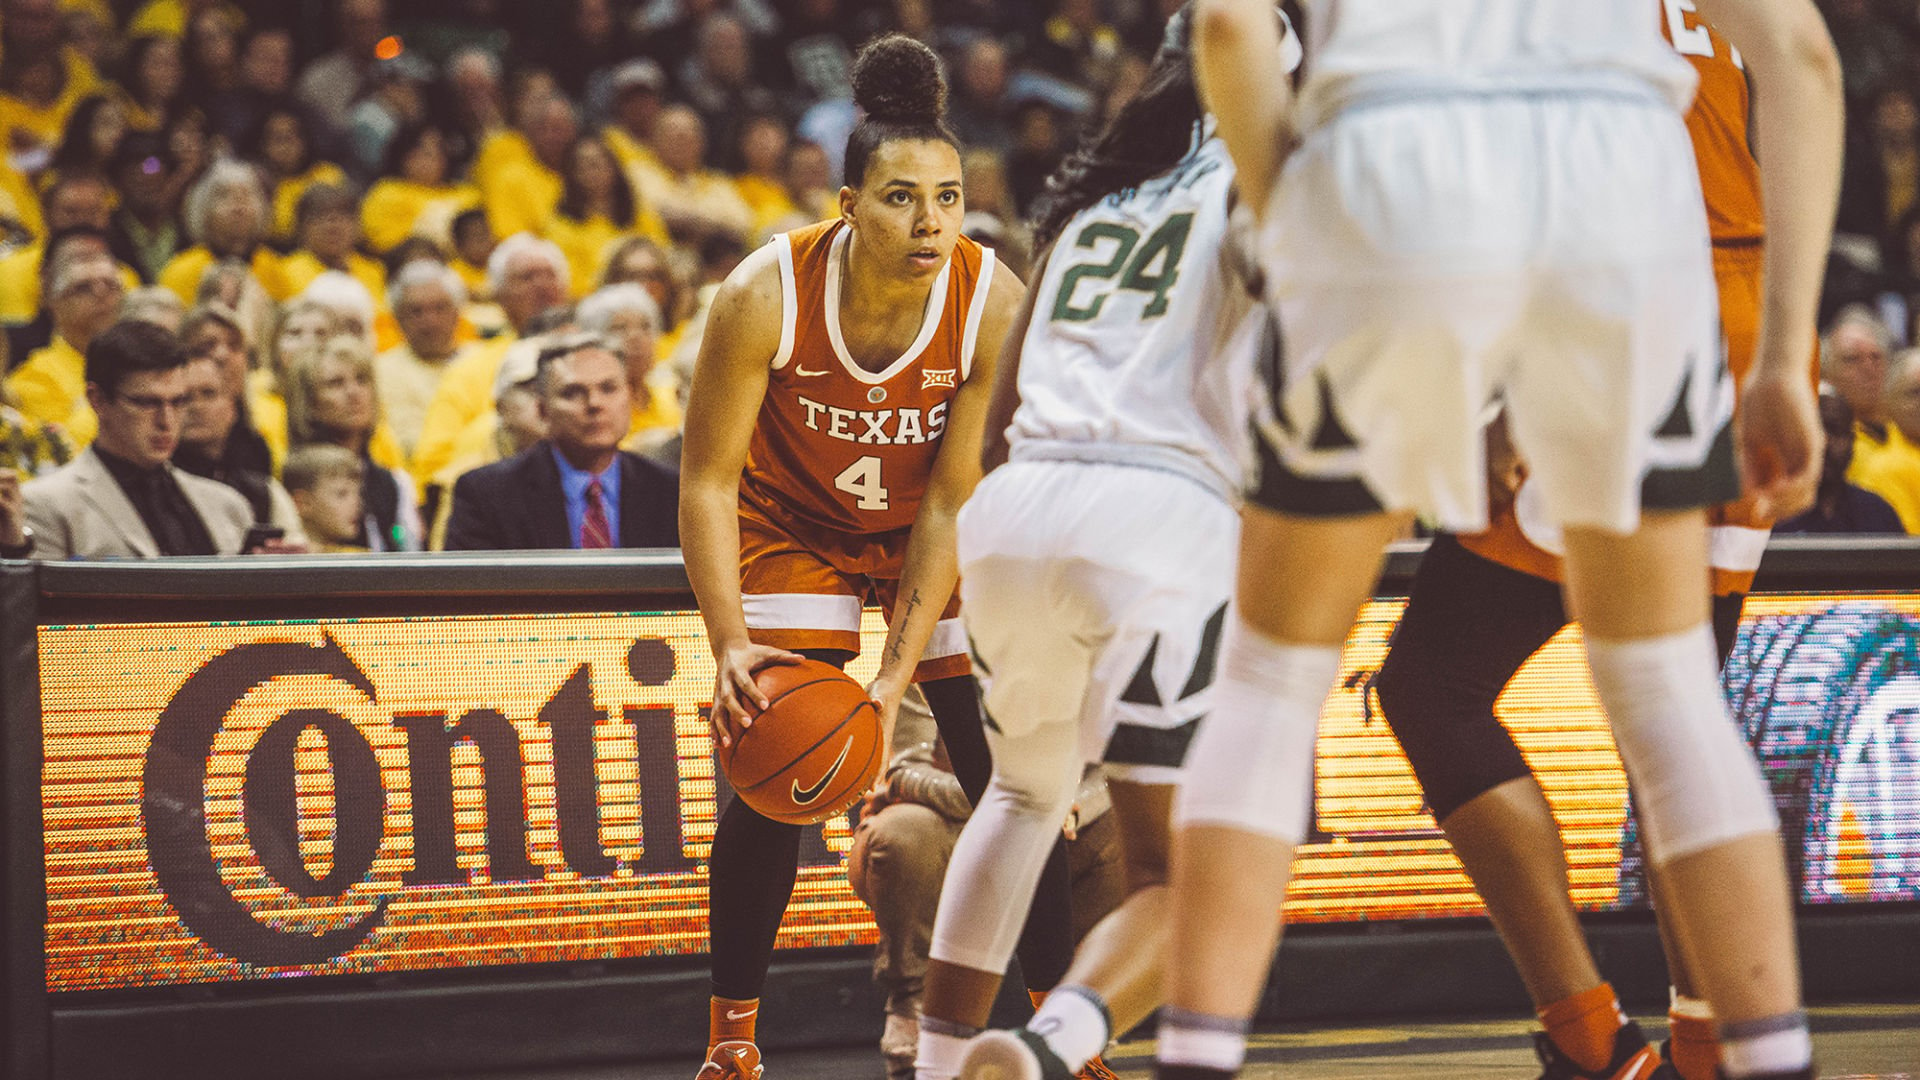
column 408, row 274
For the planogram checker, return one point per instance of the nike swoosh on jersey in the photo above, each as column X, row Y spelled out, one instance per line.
column 803, row 796
column 805, row 374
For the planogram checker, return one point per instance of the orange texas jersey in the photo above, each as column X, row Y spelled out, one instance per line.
column 1718, row 123
column 844, row 450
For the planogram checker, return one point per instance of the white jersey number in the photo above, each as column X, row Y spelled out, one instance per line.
column 862, row 480
column 1691, row 40
column 1151, row 270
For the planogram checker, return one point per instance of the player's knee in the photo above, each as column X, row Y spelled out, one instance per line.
column 1458, row 749
column 1251, row 766
column 1695, row 780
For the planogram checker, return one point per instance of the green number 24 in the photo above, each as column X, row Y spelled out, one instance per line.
column 1152, row 269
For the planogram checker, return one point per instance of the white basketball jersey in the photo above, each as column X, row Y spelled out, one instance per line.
column 1143, row 337
column 1357, row 47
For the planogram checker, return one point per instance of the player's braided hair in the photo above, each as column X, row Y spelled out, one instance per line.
column 1148, row 136
column 899, row 88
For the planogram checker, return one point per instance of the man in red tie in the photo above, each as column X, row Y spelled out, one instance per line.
column 576, row 488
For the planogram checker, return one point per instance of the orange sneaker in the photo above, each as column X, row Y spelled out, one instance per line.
column 735, row 1059
column 1633, row 1059
column 1097, row 1070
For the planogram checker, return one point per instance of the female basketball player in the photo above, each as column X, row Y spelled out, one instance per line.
column 833, row 429
column 1097, row 561
column 1482, row 604
column 1497, row 201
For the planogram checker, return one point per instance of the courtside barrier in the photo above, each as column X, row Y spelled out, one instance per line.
column 391, row 815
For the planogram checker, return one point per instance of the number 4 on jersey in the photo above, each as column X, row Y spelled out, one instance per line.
column 862, row 480
column 1153, row 270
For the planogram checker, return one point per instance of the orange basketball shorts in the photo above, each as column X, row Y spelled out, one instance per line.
column 802, row 589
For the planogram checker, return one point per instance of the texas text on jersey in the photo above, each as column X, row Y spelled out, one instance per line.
column 838, row 447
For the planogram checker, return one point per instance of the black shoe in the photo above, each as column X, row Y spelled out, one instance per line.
column 1632, row 1059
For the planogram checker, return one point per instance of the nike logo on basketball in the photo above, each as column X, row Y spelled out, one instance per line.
column 731, row 1015
column 805, row 374
column 802, row 796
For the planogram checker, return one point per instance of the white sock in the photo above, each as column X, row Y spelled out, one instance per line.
column 1201, row 1041
column 1074, row 1023
column 1693, row 1008
column 1774, row 1044
column 942, row 1044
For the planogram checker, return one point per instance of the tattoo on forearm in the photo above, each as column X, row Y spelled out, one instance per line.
column 900, row 628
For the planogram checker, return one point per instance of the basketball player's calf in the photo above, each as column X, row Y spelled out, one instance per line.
column 1708, row 814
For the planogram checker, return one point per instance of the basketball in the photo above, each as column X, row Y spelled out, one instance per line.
column 813, row 751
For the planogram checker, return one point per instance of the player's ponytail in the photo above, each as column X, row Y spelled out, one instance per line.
column 902, row 95
column 1150, row 134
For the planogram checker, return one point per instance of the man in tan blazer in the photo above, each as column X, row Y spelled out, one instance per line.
column 122, row 498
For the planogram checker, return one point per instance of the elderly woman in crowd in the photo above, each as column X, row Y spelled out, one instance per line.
column 629, row 319
column 331, row 399
column 227, row 217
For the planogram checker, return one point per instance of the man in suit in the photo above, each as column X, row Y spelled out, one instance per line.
column 122, row 498
column 576, row 488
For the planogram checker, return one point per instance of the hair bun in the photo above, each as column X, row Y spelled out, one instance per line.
column 897, row 80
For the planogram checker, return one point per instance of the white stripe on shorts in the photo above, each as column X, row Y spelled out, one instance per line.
column 949, row 639
column 1736, row 547
column 802, row 611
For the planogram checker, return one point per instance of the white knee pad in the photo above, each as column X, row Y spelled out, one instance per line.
column 1251, row 765
column 1694, row 780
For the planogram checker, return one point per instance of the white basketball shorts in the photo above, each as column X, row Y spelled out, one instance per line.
column 1095, row 595
column 1434, row 259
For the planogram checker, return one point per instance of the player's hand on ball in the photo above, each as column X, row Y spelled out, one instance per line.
column 1780, row 440
column 736, row 700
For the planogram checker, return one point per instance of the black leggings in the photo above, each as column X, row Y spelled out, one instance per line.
column 755, row 860
column 1469, row 626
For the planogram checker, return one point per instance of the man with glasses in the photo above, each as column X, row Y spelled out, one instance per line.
column 122, row 498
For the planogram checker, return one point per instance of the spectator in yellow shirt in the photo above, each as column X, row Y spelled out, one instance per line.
column 597, row 208
column 529, row 277
column 227, row 217
column 282, row 146
column 473, row 244
column 41, row 81
column 627, row 317
column 73, row 202
column 169, row 18
column 763, row 147
column 520, row 196
column 636, row 91
column 426, row 298
column 695, row 201
column 327, row 224
column 413, row 197
column 1894, row 472
column 84, row 288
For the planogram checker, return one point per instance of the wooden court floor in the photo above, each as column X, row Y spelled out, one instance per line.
column 1857, row 1042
